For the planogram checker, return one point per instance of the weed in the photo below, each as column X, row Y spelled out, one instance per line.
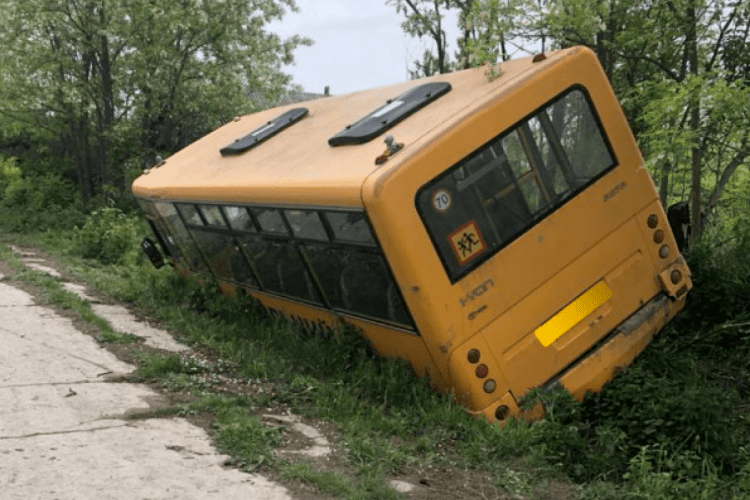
column 114, row 337
column 245, row 438
column 333, row 483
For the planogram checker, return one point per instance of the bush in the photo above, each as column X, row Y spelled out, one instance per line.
column 565, row 438
column 720, row 264
column 9, row 174
column 109, row 236
column 678, row 408
column 40, row 192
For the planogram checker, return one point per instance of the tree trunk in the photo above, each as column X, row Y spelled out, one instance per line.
column 691, row 46
column 664, row 182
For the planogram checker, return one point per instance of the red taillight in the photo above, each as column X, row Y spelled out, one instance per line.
column 482, row 371
column 658, row 236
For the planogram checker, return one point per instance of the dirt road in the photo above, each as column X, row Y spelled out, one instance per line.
column 63, row 435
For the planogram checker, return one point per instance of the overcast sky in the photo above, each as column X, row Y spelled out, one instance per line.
column 359, row 44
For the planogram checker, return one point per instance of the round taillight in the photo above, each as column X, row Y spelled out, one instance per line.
column 489, row 386
column 675, row 276
column 473, row 356
column 658, row 236
column 664, row 252
column 652, row 221
column 482, row 371
column 501, row 413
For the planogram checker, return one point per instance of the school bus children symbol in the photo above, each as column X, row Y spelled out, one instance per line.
column 467, row 242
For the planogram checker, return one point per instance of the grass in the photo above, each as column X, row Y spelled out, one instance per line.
column 675, row 425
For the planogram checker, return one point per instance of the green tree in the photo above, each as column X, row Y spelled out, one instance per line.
column 679, row 67
column 424, row 18
column 102, row 81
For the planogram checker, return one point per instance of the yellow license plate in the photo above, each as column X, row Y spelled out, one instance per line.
column 574, row 312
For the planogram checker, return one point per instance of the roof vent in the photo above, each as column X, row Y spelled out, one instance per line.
column 388, row 115
column 262, row 133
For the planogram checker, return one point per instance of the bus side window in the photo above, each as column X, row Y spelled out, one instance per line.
column 357, row 281
column 306, row 224
column 212, row 214
column 239, row 219
column 190, row 214
column 350, row 227
column 270, row 220
column 280, row 267
column 224, row 257
column 183, row 241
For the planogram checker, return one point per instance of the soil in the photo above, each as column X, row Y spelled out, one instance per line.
column 428, row 483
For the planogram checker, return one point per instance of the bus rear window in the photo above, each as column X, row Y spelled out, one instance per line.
column 490, row 198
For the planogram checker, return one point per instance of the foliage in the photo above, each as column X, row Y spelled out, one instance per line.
column 108, row 235
column 720, row 264
column 9, row 174
column 678, row 68
column 87, row 86
column 424, row 18
column 40, row 192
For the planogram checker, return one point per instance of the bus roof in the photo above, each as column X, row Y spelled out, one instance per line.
column 299, row 167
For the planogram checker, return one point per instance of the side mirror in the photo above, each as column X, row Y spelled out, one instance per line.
column 153, row 253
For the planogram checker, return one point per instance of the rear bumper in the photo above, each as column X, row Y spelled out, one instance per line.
column 600, row 364
column 620, row 348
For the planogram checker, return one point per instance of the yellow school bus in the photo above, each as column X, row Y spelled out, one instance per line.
column 499, row 235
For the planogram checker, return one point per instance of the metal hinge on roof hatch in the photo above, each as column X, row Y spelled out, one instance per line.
column 388, row 115
column 264, row 132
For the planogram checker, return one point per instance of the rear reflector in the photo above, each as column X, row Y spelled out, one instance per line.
column 574, row 312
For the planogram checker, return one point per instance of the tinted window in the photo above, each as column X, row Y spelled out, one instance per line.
column 270, row 220
column 239, row 219
column 212, row 214
column 491, row 197
column 357, row 281
column 306, row 224
column 350, row 226
column 223, row 256
column 179, row 238
column 280, row 267
column 190, row 214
